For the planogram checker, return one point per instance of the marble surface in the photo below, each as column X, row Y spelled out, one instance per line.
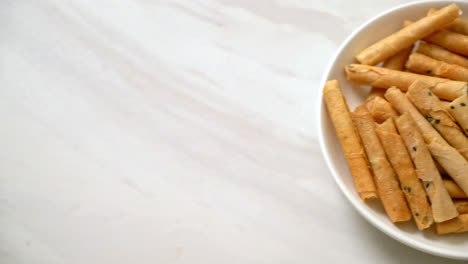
column 180, row 131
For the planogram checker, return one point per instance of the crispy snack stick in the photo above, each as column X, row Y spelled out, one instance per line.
column 387, row 183
column 405, row 37
column 450, row 40
column 459, row 110
column 396, row 62
column 349, row 140
column 380, row 109
column 401, row 162
column 440, row 168
column 462, row 206
column 456, row 225
column 386, row 78
column 441, row 54
column 448, row 157
column 458, row 25
column 443, row 208
column 453, row 189
column 429, row 105
column 452, row 161
column 423, row 64
column 445, row 104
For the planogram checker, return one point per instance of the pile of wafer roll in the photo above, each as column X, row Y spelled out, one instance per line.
column 407, row 145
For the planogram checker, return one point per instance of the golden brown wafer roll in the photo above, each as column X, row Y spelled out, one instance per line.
column 429, row 105
column 452, row 161
column 447, row 156
column 454, row 190
column 381, row 109
column 445, row 104
column 440, row 168
column 462, row 206
column 441, row 54
column 459, row 110
column 401, row 162
column 349, row 140
column 452, row 41
column 386, row 78
column 423, row 64
column 388, row 187
column 405, row 37
column 396, row 62
column 456, row 225
column 458, row 25
column 443, row 208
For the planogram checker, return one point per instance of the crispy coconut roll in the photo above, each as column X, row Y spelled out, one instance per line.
column 447, row 156
column 458, row 25
column 443, row 208
column 388, row 187
column 396, row 152
column 454, row 190
column 386, row 78
column 458, row 108
column 423, row 64
column 396, row 62
column 456, row 225
column 349, row 140
column 441, row 54
column 429, row 105
column 405, row 37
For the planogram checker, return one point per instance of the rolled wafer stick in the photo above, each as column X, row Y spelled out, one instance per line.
column 401, row 162
column 440, row 168
column 441, row 54
column 452, row 161
column 423, row 64
column 386, row 78
column 459, row 110
column 458, row 25
column 381, row 109
column 443, row 208
column 456, row 225
column 453, row 189
column 349, row 140
column 405, row 37
column 452, row 41
column 447, row 156
column 462, row 206
column 396, row 62
column 445, row 104
column 388, row 187
column 429, row 105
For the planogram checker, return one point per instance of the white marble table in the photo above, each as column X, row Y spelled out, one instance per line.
column 174, row 131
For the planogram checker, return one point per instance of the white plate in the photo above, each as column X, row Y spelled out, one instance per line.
column 451, row 246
